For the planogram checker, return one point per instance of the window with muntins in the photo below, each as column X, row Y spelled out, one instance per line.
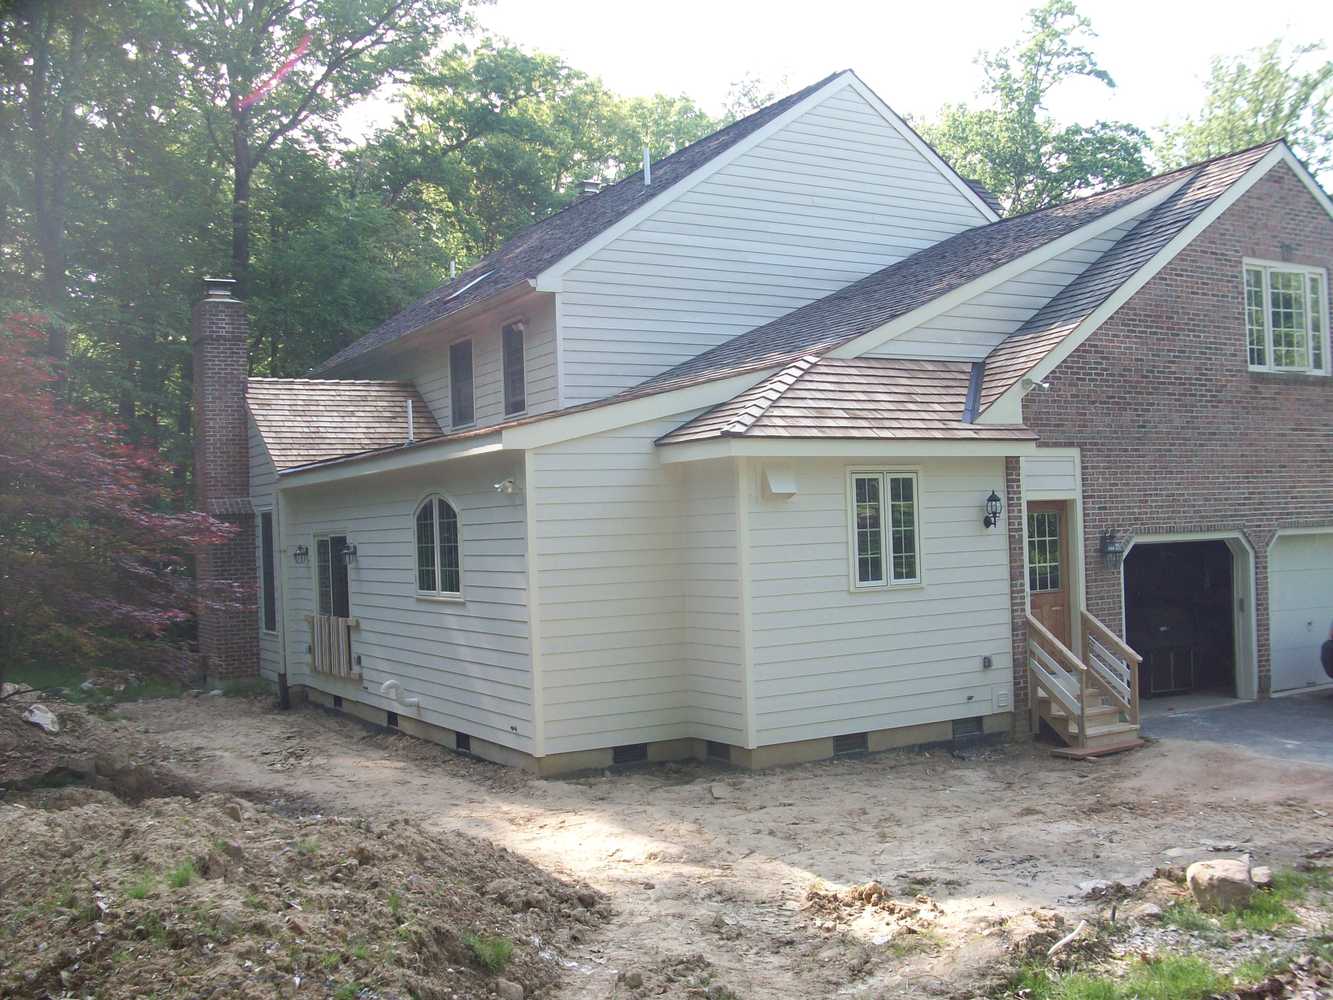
column 1286, row 318
column 1043, row 551
column 515, row 379
column 439, row 562
column 885, row 528
column 268, row 572
column 460, row 383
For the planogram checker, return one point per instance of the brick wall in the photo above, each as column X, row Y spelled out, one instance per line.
column 228, row 623
column 1013, row 507
column 1177, row 435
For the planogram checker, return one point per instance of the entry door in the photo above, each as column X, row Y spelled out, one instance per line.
column 1048, row 566
column 333, row 594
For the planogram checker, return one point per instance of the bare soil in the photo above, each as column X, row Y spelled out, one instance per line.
column 901, row 875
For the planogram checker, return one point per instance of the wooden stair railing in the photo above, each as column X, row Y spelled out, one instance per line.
column 1114, row 666
column 1091, row 701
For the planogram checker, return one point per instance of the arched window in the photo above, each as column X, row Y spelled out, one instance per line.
column 439, row 564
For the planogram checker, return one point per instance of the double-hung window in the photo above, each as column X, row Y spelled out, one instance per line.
column 1286, row 318
column 439, row 555
column 885, row 528
column 515, row 380
column 460, row 383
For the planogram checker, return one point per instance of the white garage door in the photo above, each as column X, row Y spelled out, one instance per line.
column 1300, row 598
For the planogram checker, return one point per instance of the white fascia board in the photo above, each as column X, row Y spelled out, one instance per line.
column 1146, row 273
column 910, row 321
column 698, row 451
column 550, row 279
column 1303, row 172
column 598, row 419
column 924, row 149
column 392, row 461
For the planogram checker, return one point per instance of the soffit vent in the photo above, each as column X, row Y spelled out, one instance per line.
column 851, row 743
column 631, row 753
column 463, row 742
column 968, row 729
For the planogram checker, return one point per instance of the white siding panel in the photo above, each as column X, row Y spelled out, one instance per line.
column 467, row 661
column 831, row 197
column 970, row 331
column 263, row 478
column 828, row 661
column 1050, row 476
column 1300, row 596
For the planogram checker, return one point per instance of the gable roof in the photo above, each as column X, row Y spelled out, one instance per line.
column 534, row 249
column 851, row 398
column 311, row 420
column 1020, row 352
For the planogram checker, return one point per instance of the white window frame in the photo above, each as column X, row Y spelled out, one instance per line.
column 886, row 533
column 1267, row 267
column 472, row 376
column 520, row 324
column 263, row 591
column 437, row 594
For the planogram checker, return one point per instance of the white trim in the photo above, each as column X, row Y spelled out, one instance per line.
column 420, row 454
column 1268, row 563
column 1267, row 267
column 439, row 593
column 1245, row 620
column 534, row 610
column 879, row 450
column 884, row 474
column 559, row 355
column 923, row 148
column 549, row 279
column 742, row 482
column 935, row 307
column 1140, row 278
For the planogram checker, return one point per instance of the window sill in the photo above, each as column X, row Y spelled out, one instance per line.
column 269, row 632
column 441, row 598
column 887, row 588
column 1270, row 375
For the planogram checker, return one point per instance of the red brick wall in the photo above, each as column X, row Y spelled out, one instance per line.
column 228, row 625
column 1013, row 507
column 1177, row 435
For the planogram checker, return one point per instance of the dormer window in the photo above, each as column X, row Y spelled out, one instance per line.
column 1286, row 318
column 460, row 383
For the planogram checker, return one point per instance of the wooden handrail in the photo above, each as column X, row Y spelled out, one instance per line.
column 1110, row 639
column 1059, row 648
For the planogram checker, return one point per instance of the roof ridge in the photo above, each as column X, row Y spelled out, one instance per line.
column 332, row 381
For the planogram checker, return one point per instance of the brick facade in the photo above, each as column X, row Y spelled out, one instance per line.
column 1018, row 590
column 1177, row 435
column 228, row 623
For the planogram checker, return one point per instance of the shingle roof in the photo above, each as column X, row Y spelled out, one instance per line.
column 1059, row 317
column 312, row 420
column 542, row 244
column 854, row 398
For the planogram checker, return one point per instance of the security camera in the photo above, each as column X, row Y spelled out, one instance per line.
column 505, row 486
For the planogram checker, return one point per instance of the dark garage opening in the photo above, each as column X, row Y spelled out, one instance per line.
column 1178, row 617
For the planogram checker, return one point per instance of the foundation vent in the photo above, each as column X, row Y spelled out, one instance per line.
column 850, row 743
column 337, row 701
column 967, row 730
column 719, row 751
column 631, row 753
column 462, row 741
column 391, row 719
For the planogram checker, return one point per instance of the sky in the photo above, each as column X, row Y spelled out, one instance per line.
column 916, row 55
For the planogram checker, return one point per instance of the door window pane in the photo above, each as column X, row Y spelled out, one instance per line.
column 869, row 529
column 324, row 572
column 1043, row 551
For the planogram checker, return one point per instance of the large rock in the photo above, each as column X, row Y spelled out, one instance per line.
column 1221, row 885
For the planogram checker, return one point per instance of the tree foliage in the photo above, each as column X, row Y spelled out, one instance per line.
column 91, row 554
column 1012, row 144
column 1270, row 93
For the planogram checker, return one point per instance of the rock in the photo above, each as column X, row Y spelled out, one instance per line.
column 7, row 689
column 233, row 850
column 1220, row 885
column 42, row 717
column 87, row 686
column 507, row 990
column 215, row 693
column 234, row 810
column 1262, row 876
column 719, row 791
column 1148, row 913
column 632, row 980
column 587, row 898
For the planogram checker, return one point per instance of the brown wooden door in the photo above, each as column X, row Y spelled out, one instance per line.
column 1048, row 566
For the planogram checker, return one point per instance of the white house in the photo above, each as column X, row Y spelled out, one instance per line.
column 769, row 453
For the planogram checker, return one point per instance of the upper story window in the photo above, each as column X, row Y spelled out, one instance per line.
column 268, row 574
column 1286, row 317
column 460, row 383
column 439, row 556
column 515, row 379
column 885, row 528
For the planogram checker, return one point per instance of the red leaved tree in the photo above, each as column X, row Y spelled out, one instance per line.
column 91, row 555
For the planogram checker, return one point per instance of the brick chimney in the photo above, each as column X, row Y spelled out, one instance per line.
column 228, row 621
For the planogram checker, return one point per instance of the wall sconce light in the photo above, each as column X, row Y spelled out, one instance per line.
column 301, row 554
column 506, row 486
column 993, row 509
column 1112, row 548
column 349, row 553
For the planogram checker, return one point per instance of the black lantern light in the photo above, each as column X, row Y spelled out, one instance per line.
column 301, row 555
column 993, row 509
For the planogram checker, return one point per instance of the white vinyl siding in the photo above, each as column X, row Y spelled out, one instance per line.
column 829, row 660
column 1049, row 477
column 468, row 660
column 835, row 195
column 1286, row 317
column 262, row 496
column 971, row 330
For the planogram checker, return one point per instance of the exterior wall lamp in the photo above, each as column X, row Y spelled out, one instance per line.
column 301, row 555
column 1112, row 548
column 349, row 553
column 993, row 508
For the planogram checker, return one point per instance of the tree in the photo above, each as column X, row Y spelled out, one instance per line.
column 90, row 556
column 269, row 71
column 1270, row 93
column 1013, row 146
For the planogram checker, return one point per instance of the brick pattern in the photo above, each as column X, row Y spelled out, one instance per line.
column 228, row 617
column 1177, row 435
column 1013, row 506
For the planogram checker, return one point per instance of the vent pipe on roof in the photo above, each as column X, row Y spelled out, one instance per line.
column 411, row 433
column 453, row 269
column 589, row 187
column 647, row 167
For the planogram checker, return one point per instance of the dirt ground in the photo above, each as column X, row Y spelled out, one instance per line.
column 726, row 883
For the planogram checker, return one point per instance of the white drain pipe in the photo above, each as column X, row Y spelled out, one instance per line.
column 392, row 689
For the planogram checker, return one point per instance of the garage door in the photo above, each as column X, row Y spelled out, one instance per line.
column 1300, row 596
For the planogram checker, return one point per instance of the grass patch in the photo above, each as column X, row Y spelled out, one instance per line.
column 69, row 679
column 331, row 961
column 361, row 953
column 307, row 847
column 1174, row 977
column 491, row 952
column 142, row 888
column 182, row 875
column 347, row 991
column 396, row 905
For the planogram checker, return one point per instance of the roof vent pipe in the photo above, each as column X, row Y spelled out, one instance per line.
column 647, row 167
column 453, row 269
column 411, row 436
column 589, row 187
